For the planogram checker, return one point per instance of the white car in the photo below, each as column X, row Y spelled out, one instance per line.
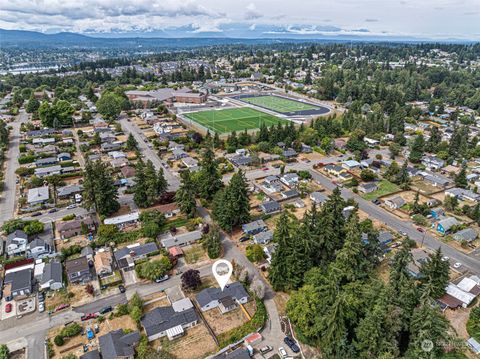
column 72, row 206
column 457, row 265
column 41, row 307
column 282, row 352
column 445, row 259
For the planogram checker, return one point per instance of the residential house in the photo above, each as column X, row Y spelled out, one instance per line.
column 88, row 253
column 292, row 193
column 16, row 243
column 263, row 237
column 181, row 240
column 127, row 171
column 317, row 197
column 116, row 145
column 433, row 162
column 52, row 276
column 437, row 212
column 395, row 202
column 461, row 294
column 64, row 156
column 69, row 191
column 466, row 235
column 169, row 210
column 334, row 170
column 350, row 164
column 74, row 228
column 190, row 162
column 290, row 179
column 170, row 321
column 117, row 155
column 48, row 171
column 118, row 344
column 39, row 248
column 103, row 262
column 419, row 257
column 127, row 256
column 289, row 153
column 226, row 300
column 123, row 220
column 270, row 207
column 179, row 154
column 18, row 283
column 38, row 195
column 445, row 225
column 463, row 194
column 368, row 187
column 240, row 160
column 254, row 227
column 78, row 270
column 46, row 161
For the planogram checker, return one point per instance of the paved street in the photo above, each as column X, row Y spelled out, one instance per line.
column 149, row 153
column 8, row 197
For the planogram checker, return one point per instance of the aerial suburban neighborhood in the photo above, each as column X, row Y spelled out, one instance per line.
column 339, row 180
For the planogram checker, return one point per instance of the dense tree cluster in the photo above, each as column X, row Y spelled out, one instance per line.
column 99, row 189
column 150, row 184
column 340, row 304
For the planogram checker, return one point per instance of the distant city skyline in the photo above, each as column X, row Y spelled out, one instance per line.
column 434, row 19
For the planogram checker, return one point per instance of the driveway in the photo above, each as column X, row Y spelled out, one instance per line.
column 129, row 277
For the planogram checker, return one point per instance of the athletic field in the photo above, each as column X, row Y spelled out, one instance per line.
column 279, row 104
column 232, row 119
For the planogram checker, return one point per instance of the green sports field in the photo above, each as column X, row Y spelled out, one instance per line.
column 278, row 104
column 232, row 119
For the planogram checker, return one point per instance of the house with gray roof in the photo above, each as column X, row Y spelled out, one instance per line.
column 445, row 225
column 318, row 197
column 48, row 171
column 169, row 321
column 19, row 283
column 127, row 256
column 270, row 207
column 39, row 248
column 291, row 193
column 290, row 179
column 395, row 202
column 118, row 344
column 467, row 235
column 78, row 270
column 263, row 237
column 46, row 161
column 69, row 191
column 38, row 195
column 254, row 227
column 94, row 354
column 367, row 187
column 52, row 276
column 16, row 243
column 181, row 240
column 226, row 300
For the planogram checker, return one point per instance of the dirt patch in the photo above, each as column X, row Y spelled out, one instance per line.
column 56, row 298
column 222, row 323
column 80, row 295
column 196, row 343
column 458, row 319
column 156, row 303
column 281, row 300
column 195, row 253
column 124, row 209
column 66, row 243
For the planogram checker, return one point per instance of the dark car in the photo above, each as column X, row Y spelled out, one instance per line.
column 41, row 297
column 36, row 214
column 291, row 344
column 88, row 316
column 52, row 210
column 420, row 230
column 121, row 288
column 375, row 201
column 245, row 238
column 106, row 309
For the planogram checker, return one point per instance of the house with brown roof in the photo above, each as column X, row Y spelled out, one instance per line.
column 128, row 171
column 74, row 228
column 103, row 262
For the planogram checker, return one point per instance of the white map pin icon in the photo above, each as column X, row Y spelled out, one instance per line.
column 222, row 271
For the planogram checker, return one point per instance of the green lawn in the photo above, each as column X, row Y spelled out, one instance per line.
column 232, row 119
column 384, row 187
column 279, row 104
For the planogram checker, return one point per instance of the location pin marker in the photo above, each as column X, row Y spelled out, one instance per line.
column 222, row 271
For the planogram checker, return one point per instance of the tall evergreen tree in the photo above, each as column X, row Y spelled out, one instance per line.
column 140, row 188
column 461, row 177
column 435, row 274
column 185, row 196
column 210, row 179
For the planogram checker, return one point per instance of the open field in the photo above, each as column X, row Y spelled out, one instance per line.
column 279, row 104
column 232, row 119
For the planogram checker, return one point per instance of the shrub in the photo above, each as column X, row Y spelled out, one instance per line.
column 68, row 217
column 58, row 340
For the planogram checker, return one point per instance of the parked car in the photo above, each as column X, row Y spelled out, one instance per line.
column 291, row 344
column 265, row 168
column 53, row 210
column 375, row 201
column 41, row 307
column 266, row 349
column 245, row 238
column 283, row 352
column 162, row 279
column 106, row 309
column 457, row 265
column 36, row 214
column 421, row 230
column 41, row 297
column 402, row 233
column 88, row 316
column 8, row 308
column 121, row 288
column 61, row 306
column 72, row 206
column 90, row 334
column 96, row 328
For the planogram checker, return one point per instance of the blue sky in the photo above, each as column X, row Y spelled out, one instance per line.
column 435, row 19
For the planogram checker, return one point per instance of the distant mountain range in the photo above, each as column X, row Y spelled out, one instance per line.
column 186, row 37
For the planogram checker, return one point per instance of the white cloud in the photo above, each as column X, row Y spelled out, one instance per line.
column 252, row 13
